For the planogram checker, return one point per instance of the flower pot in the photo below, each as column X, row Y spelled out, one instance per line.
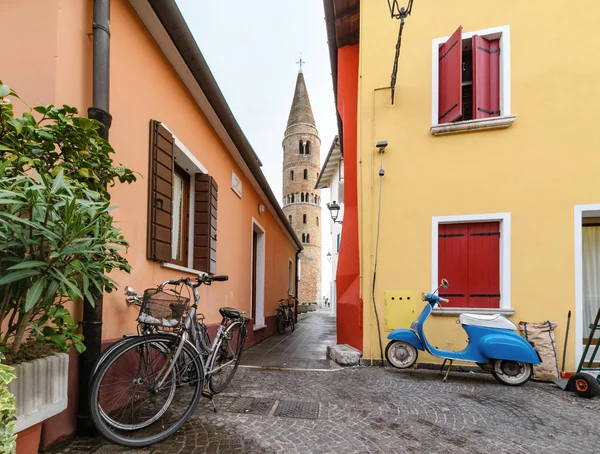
column 40, row 391
column 302, row 309
column 312, row 307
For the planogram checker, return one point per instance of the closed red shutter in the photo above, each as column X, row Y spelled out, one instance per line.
column 486, row 77
column 205, row 224
column 450, row 79
column 160, row 193
column 484, row 265
column 453, row 262
column 469, row 257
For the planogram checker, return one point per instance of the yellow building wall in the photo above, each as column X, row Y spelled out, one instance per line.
column 538, row 169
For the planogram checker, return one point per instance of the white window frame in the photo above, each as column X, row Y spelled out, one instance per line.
column 506, row 118
column 184, row 154
column 259, row 313
column 290, row 277
column 581, row 211
column 505, row 243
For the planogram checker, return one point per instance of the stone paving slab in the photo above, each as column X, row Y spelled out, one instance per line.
column 383, row 410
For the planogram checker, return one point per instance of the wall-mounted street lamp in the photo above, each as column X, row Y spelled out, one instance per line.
column 334, row 210
column 397, row 12
column 329, row 257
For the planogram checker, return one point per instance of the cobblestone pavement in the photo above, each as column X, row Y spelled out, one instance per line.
column 305, row 348
column 382, row 410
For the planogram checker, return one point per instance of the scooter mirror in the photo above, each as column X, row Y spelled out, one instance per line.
column 445, row 283
column 130, row 291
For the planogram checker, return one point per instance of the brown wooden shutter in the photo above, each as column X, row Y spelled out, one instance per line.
column 205, row 224
column 160, row 197
column 450, row 79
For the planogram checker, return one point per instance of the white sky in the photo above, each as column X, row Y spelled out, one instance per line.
column 251, row 49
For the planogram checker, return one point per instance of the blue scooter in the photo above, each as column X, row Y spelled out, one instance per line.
column 494, row 344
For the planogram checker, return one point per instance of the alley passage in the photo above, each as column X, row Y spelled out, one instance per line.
column 305, row 348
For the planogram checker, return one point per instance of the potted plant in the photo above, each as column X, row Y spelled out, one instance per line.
column 57, row 244
column 8, row 411
column 312, row 307
column 302, row 308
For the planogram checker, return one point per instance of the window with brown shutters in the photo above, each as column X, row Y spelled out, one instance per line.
column 205, row 224
column 160, row 205
column 450, row 79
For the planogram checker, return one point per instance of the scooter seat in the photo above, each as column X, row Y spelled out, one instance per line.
column 489, row 321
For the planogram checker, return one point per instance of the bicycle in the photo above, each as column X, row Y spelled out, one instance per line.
column 148, row 385
column 285, row 315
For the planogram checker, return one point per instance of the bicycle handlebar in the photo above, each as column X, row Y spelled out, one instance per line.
column 206, row 280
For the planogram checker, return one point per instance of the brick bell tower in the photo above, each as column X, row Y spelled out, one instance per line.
column 301, row 201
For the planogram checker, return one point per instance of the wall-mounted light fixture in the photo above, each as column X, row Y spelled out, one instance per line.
column 397, row 12
column 329, row 257
column 334, row 210
column 261, row 208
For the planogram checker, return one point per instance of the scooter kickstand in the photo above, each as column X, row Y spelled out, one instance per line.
column 442, row 368
column 447, row 371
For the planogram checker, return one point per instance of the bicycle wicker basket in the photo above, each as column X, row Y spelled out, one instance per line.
column 164, row 308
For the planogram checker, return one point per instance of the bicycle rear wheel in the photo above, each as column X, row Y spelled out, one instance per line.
column 128, row 405
column 228, row 357
column 280, row 320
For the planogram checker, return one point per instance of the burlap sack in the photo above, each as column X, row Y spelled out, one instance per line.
column 542, row 337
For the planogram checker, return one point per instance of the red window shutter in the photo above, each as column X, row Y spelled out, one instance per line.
column 160, row 197
column 486, row 77
column 450, row 79
column 453, row 262
column 205, row 224
column 484, row 265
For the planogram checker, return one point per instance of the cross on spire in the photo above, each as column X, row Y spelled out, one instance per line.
column 300, row 62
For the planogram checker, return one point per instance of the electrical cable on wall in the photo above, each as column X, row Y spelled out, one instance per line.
column 381, row 146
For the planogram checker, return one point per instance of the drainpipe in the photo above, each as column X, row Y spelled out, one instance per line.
column 296, row 289
column 92, row 315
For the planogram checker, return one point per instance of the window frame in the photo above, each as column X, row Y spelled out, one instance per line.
column 185, row 216
column 506, row 117
column 290, row 277
column 505, row 260
column 179, row 149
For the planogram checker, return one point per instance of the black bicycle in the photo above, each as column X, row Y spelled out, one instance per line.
column 285, row 314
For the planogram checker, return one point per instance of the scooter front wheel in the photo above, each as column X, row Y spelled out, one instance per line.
column 512, row 373
column 400, row 354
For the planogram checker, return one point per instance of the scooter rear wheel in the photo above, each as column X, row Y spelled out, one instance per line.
column 401, row 355
column 512, row 373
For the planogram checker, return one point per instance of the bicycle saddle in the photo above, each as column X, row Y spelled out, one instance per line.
column 229, row 312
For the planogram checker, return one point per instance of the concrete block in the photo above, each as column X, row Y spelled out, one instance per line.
column 344, row 355
column 40, row 389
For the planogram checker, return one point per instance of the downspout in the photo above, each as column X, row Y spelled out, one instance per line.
column 92, row 315
column 296, row 279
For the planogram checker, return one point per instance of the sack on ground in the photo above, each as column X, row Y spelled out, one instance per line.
column 542, row 337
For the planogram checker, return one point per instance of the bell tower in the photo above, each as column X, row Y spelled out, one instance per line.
column 301, row 201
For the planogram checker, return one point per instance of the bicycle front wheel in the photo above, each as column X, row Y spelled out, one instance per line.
column 280, row 320
column 227, row 357
column 141, row 394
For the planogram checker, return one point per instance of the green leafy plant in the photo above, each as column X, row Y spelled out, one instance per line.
column 57, row 238
column 8, row 412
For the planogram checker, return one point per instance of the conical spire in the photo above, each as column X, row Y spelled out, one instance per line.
column 301, row 112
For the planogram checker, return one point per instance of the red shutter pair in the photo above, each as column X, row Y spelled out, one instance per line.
column 469, row 257
column 486, row 78
column 160, row 205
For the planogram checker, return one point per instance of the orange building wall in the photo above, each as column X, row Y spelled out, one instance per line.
column 144, row 86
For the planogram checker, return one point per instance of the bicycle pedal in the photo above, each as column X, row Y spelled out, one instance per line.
column 207, row 395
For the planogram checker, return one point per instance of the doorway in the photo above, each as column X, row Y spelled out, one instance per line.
column 258, row 275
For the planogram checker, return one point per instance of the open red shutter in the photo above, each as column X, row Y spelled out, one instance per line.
column 453, row 262
column 450, row 79
column 484, row 265
column 160, row 193
column 486, row 77
column 205, row 224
